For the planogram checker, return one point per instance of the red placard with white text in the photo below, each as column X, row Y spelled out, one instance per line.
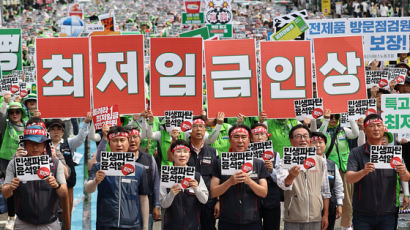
column 231, row 77
column 118, row 72
column 339, row 71
column 176, row 75
column 286, row 76
column 63, row 77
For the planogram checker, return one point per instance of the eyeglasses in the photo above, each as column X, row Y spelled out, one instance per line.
column 198, row 126
column 11, row 112
column 300, row 136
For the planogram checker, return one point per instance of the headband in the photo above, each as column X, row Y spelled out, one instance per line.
column 373, row 121
column 316, row 138
column 199, row 121
column 135, row 132
column 118, row 134
column 37, row 124
column 180, row 147
column 259, row 129
column 239, row 130
column 41, row 132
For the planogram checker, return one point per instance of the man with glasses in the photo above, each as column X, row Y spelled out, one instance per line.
column 307, row 193
column 374, row 197
column 240, row 193
column 203, row 158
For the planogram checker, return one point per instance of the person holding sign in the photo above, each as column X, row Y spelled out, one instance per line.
column 307, row 193
column 271, row 204
column 204, row 158
column 12, row 116
column 182, row 202
column 121, row 200
column 151, row 168
column 319, row 140
column 374, row 197
column 240, row 193
column 36, row 201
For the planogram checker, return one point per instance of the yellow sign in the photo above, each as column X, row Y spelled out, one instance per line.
column 326, row 7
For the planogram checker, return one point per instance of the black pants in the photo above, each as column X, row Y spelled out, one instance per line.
column 270, row 218
column 207, row 215
column 332, row 216
column 10, row 206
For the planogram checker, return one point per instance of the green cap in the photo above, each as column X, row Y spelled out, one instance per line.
column 15, row 106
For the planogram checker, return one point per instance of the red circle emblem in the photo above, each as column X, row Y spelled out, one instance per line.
column 383, row 83
column 309, row 163
column 43, row 173
column 395, row 161
column 127, row 169
column 316, row 113
column 185, row 126
column 247, row 167
column 267, row 155
column 185, row 182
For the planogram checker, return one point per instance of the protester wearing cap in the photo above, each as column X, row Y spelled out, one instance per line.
column 12, row 117
column 30, row 104
column 374, row 197
column 240, row 193
column 121, row 202
column 270, row 209
column 151, row 169
column 203, row 157
column 183, row 206
column 66, row 147
column 307, row 193
column 36, row 201
column 319, row 140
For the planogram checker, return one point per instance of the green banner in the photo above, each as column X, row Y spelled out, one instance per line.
column 10, row 50
column 192, row 18
column 291, row 30
column 225, row 30
column 202, row 32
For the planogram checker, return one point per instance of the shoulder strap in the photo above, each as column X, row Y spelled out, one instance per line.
column 332, row 143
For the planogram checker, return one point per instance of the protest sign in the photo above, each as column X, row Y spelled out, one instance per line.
column 396, row 112
column 76, row 10
column 344, row 120
column 383, row 78
column 218, row 17
column 286, row 76
column 171, row 175
column 262, row 150
column 7, row 81
column 283, row 20
column 63, row 77
column 32, row 168
column 231, row 77
column 311, row 108
column 383, row 37
column 192, row 13
column 108, row 115
column 291, row 30
column 305, row 157
column 10, row 50
column 385, row 157
column 232, row 162
column 177, row 70
column 118, row 72
column 118, row 163
column 397, row 74
column 326, row 7
column 201, row 32
column 181, row 120
column 339, row 71
column 361, row 108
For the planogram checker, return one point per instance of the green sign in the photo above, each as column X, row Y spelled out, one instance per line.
column 291, row 30
column 10, row 50
column 396, row 112
column 220, row 29
column 202, row 32
column 192, row 18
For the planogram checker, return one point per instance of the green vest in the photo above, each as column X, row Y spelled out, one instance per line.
column 279, row 130
column 222, row 142
column 165, row 144
column 342, row 145
column 248, row 121
column 10, row 142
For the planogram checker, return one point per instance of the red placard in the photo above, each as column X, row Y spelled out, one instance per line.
column 108, row 115
column 176, row 74
column 118, row 72
column 63, row 77
column 339, row 71
column 286, row 76
column 231, row 77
